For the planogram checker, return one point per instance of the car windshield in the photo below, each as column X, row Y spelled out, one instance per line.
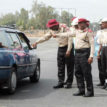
column 3, row 41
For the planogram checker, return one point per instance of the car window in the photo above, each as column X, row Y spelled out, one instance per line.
column 23, row 41
column 14, row 41
column 10, row 41
column 3, row 40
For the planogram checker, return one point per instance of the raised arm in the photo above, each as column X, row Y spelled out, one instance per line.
column 65, row 34
column 43, row 39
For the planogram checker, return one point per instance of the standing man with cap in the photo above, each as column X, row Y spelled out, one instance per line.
column 84, row 51
column 65, row 53
column 102, row 40
column 98, row 54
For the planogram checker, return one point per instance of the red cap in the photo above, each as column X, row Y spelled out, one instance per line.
column 52, row 23
column 73, row 18
column 82, row 20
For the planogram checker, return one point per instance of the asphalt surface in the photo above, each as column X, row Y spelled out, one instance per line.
column 42, row 94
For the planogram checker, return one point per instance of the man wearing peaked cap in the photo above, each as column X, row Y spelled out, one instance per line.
column 65, row 53
column 102, row 40
column 84, row 51
column 82, row 20
column 98, row 54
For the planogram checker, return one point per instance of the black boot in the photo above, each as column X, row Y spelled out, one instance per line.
column 89, row 94
column 105, row 86
column 67, row 86
column 100, row 84
column 58, row 86
column 79, row 93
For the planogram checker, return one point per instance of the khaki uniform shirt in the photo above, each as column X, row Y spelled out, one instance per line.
column 83, row 39
column 102, row 39
column 62, row 41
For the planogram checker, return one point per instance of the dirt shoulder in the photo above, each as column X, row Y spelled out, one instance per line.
column 35, row 33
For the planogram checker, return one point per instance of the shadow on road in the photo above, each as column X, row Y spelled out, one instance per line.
column 27, row 90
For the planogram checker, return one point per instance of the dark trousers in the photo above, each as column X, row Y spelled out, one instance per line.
column 62, row 60
column 101, row 74
column 83, row 70
column 104, row 61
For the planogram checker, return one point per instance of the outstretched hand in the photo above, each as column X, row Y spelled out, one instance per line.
column 34, row 45
column 53, row 35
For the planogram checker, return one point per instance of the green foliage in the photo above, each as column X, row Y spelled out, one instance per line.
column 36, row 18
column 66, row 17
column 8, row 19
column 23, row 18
column 95, row 26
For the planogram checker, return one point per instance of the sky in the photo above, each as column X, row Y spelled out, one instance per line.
column 93, row 10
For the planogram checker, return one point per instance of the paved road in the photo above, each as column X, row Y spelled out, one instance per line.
column 43, row 95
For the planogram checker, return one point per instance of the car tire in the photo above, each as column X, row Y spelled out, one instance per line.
column 36, row 76
column 12, row 82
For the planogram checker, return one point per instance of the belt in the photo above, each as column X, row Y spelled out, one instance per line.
column 104, row 44
column 82, row 50
column 63, row 47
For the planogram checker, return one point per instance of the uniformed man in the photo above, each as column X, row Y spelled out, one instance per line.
column 65, row 53
column 102, row 40
column 98, row 54
column 84, row 51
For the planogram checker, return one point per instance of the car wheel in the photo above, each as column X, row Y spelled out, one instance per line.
column 36, row 75
column 12, row 82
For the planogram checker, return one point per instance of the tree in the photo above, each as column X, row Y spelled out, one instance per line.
column 42, row 14
column 23, row 18
column 32, row 23
column 8, row 19
column 66, row 17
column 94, row 26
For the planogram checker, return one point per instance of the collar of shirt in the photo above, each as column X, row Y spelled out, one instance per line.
column 81, row 31
column 104, row 29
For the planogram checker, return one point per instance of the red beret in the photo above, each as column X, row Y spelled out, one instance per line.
column 82, row 20
column 52, row 23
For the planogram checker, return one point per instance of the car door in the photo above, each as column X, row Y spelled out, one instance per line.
column 18, row 53
column 28, row 52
